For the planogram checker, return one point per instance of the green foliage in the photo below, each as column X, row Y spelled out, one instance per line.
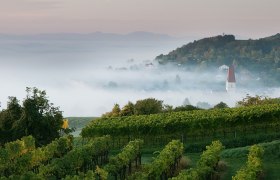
column 257, row 100
column 191, row 122
column 29, row 158
column 145, row 106
column 89, row 175
column 128, row 109
column 25, row 176
column 117, row 165
column 253, row 166
column 80, row 159
column 165, row 164
column 148, row 106
column 8, row 118
column 220, row 105
column 271, row 149
column 15, row 149
column 101, row 173
column 206, row 165
column 116, row 110
column 185, row 108
column 37, row 117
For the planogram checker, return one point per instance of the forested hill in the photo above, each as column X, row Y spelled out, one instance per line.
column 261, row 56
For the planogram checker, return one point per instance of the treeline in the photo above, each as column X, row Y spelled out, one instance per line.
column 146, row 106
column 152, row 106
column 35, row 116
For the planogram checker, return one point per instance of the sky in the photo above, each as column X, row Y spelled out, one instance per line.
column 247, row 18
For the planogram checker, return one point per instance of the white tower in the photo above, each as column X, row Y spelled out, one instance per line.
column 231, row 83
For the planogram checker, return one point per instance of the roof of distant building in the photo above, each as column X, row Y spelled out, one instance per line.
column 231, row 75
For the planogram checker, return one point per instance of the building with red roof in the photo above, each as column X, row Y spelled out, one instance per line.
column 231, row 82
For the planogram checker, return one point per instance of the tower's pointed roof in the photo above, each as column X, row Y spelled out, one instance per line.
column 231, row 75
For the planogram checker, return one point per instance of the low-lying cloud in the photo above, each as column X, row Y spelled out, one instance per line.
column 87, row 78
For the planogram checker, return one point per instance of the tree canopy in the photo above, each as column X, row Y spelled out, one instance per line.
column 36, row 116
column 148, row 106
column 257, row 100
column 220, row 105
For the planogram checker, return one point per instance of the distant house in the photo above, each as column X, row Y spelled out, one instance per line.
column 231, row 82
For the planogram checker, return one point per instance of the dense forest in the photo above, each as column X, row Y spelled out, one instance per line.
column 260, row 57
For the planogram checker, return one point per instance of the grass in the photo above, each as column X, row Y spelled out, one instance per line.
column 233, row 165
column 272, row 168
column 235, row 158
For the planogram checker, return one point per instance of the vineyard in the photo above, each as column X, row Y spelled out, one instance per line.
column 253, row 167
column 114, row 148
column 61, row 160
column 206, row 165
column 58, row 160
column 21, row 156
column 235, row 127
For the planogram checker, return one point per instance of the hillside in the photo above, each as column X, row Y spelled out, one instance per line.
column 261, row 56
column 78, row 123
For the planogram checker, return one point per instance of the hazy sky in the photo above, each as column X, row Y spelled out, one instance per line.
column 250, row 18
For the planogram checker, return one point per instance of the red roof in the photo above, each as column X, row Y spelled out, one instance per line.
column 231, row 75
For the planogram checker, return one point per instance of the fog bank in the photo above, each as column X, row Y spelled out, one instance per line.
column 86, row 76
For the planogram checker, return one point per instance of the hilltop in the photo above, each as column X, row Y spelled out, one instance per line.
column 261, row 56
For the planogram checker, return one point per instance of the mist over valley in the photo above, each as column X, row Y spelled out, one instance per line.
column 86, row 74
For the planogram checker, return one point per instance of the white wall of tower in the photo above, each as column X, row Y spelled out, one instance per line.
column 230, row 86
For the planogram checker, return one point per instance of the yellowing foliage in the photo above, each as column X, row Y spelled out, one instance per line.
column 65, row 124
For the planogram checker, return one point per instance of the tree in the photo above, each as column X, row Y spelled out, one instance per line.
column 128, row 109
column 37, row 117
column 257, row 100
column 148, row 106
column 8, row 118
column 116, row 110
column 167, row 108
column 220, row 105
column 14, row 108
